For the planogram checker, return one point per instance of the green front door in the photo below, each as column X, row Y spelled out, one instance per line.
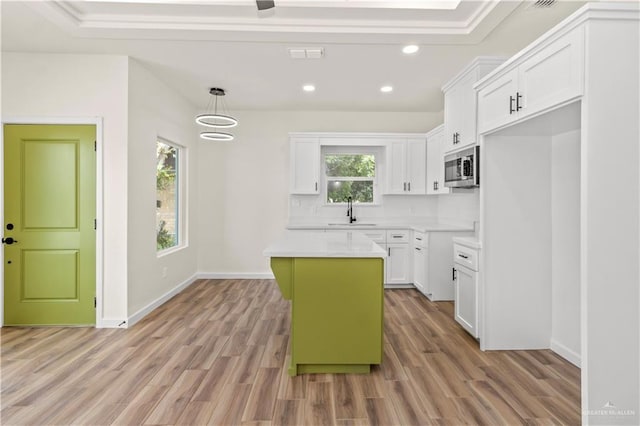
column 49, row 213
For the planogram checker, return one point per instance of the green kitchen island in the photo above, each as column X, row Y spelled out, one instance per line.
column 335, row 283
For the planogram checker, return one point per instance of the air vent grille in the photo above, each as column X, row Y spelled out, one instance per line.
column 543, row 3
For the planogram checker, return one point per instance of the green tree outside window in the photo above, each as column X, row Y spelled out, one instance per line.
column 350, row 175
column 166, row 196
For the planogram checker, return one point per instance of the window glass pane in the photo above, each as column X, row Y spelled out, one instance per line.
column 350, row 165
column 361, row 191
column 166, row 196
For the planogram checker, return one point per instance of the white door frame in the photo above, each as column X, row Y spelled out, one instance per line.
column 37, row 120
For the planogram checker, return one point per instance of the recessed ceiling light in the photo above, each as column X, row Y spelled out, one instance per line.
column 386, row 89
column 309, row 88
column 410, row 49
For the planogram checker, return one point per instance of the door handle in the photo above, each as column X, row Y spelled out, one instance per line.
column 511, row 109
column 8, row 241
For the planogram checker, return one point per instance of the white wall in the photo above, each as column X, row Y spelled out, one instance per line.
column 611, row 207
column 55, row 85
column 244, row 184
column 391, row 206
column 462, row 204
column 155, row 110
column 516, row 233
column 565, row 245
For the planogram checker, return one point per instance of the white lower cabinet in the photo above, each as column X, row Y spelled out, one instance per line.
column 419, row 266
column 466, row 298
column 465, row 277
column 398, row 270
column 398, row 264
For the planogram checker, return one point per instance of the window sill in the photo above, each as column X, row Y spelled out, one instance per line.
column 170, row 250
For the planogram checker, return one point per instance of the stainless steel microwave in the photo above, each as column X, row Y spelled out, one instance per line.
column 462, row 168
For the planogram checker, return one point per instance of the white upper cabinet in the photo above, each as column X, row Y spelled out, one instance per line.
column 305, row 165
column 435, row 162
column 460, row 103
column 546, row 77
column 406, row 166
column 416, row 166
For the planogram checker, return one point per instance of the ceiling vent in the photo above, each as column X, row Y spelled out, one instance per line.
column 543, row 3
column 306, row 53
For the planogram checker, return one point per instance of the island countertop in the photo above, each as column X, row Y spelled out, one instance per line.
column 323, row 244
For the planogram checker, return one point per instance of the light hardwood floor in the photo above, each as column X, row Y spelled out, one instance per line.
column 217, row 354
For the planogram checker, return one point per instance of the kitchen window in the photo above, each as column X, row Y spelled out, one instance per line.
column 350, row 174
column 168, row 195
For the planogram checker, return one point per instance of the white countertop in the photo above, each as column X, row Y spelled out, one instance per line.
column 322, row 244
column 416, row 224
column 469, row 242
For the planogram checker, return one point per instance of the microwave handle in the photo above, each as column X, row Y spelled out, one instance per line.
column 464, row 163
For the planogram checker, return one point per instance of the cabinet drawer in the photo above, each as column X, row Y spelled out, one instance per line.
column 465, row 256
column 401, row 236
column 419, row 239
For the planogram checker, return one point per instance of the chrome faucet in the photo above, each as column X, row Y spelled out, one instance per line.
column 352, row 218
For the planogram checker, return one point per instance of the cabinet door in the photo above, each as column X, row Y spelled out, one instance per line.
column 305, row 166
column 552, row 76
column 452, row 98
column 435, row 164
column 466, row 299
column 396, row 164
column 416, row 166
column 495, row 107
column 466, row 110
column 419, row 268
column 398, row 264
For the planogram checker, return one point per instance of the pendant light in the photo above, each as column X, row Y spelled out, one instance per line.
column 216, row 120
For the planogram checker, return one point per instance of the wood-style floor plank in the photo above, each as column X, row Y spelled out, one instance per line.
column 217, row 354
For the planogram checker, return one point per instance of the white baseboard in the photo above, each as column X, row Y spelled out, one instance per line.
column 112, row 323
column 566, row 353
column 392, row 286
column 160, row 300
column 235, row 275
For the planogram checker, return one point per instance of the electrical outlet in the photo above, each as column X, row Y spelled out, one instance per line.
column 164, row 272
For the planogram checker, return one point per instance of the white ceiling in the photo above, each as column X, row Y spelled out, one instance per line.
column 194, row 45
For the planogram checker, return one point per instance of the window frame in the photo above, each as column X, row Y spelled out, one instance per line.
column 350, row 150
column 181, row 197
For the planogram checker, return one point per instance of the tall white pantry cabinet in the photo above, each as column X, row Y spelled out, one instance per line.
column 560, row 203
